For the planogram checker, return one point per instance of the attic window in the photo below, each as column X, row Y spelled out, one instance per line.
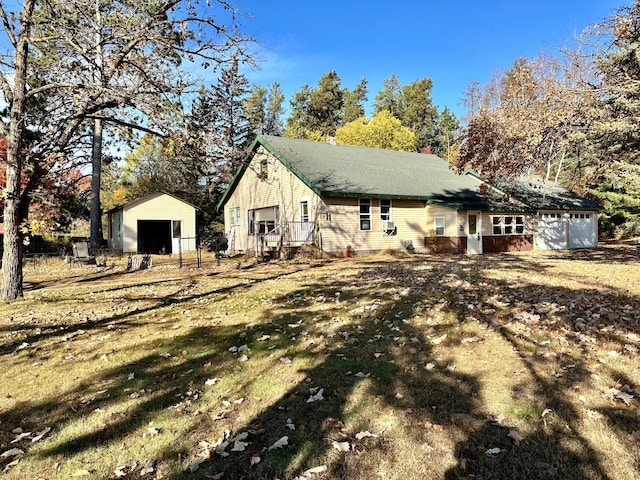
column 264, row 169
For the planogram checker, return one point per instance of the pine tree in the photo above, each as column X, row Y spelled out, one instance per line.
column 273, row 123
column 353, row 107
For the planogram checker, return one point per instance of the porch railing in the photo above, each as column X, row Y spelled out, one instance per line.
column 289, row 234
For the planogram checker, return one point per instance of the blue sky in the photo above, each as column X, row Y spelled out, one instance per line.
column 452, row 42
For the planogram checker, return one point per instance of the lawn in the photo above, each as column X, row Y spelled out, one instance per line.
column 389, row 366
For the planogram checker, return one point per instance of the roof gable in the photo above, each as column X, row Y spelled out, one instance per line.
column 146, row 198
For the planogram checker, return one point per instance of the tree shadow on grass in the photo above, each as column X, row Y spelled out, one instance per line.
column 331, row 331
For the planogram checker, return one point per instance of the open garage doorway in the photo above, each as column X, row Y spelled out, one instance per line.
column 154, row 236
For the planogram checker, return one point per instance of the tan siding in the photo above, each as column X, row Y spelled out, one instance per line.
column 452, row 220
column 344, row 228
column 281, row 188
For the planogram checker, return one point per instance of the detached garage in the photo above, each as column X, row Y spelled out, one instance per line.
column 158, row 223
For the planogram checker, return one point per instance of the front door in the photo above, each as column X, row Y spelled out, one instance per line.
column 474, row 233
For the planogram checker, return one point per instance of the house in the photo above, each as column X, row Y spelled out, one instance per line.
column 156, row 223
column 291, row 192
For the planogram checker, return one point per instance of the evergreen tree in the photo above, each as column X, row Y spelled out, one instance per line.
column 273, row 123
column 390, row 98
column 255, row 105
column 325, row 105
column 446, row 133
column 617, row 133
column 231, row 127
column 298, row 123
column 353, row 107
column 419, row 113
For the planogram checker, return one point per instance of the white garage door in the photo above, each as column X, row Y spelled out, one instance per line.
column 552, row 232
column 582, row 230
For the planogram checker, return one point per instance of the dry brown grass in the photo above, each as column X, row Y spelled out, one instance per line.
column 444, row 359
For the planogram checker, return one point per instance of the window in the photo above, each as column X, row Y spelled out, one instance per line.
column 264, row 169
column 507, row 224
column 234, row 216
column 177, row 228
column 385, row 211
column 439, row 226
column 365, row 213
column 304, row 210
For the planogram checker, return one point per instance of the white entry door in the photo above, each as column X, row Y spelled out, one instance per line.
column 474, row 233
column 306, row 226
column 176, row 236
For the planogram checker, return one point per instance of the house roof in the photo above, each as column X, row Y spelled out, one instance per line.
column 146, row 198
column 547, row 196
column 362, row 172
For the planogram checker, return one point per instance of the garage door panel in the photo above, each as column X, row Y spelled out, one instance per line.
column 582, row 231
column 551, row 232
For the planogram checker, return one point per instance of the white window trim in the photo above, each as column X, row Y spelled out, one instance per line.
column 234, row 216
column 503, row 225
column 362, row 216
column 389, row 215
column 300, row 213
column 444, row 226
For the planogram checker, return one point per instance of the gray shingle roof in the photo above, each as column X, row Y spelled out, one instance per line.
column 361, row 171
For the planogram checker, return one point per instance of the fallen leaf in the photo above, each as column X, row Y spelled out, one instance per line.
column 475, row 339
column 365, row 434
column 211, row 381
column 341, row 446
column 517, row 438
column 149, row 467
column 20, row 437
column 615, row 393
column 239, row 446
column 311, row 473
column 132, row 375
column 497, row 420
column 493, row 451
column 12, row 453
column 439, row 340
column 40, row 435
column 280, row 443
column 195, row 465
column 317, row 397
column 255, row 460
column 81, row 473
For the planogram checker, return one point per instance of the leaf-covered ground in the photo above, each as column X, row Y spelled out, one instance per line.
column 386, row 366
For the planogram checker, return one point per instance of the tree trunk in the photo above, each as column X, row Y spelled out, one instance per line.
column 12, row 256
column 95, row 235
